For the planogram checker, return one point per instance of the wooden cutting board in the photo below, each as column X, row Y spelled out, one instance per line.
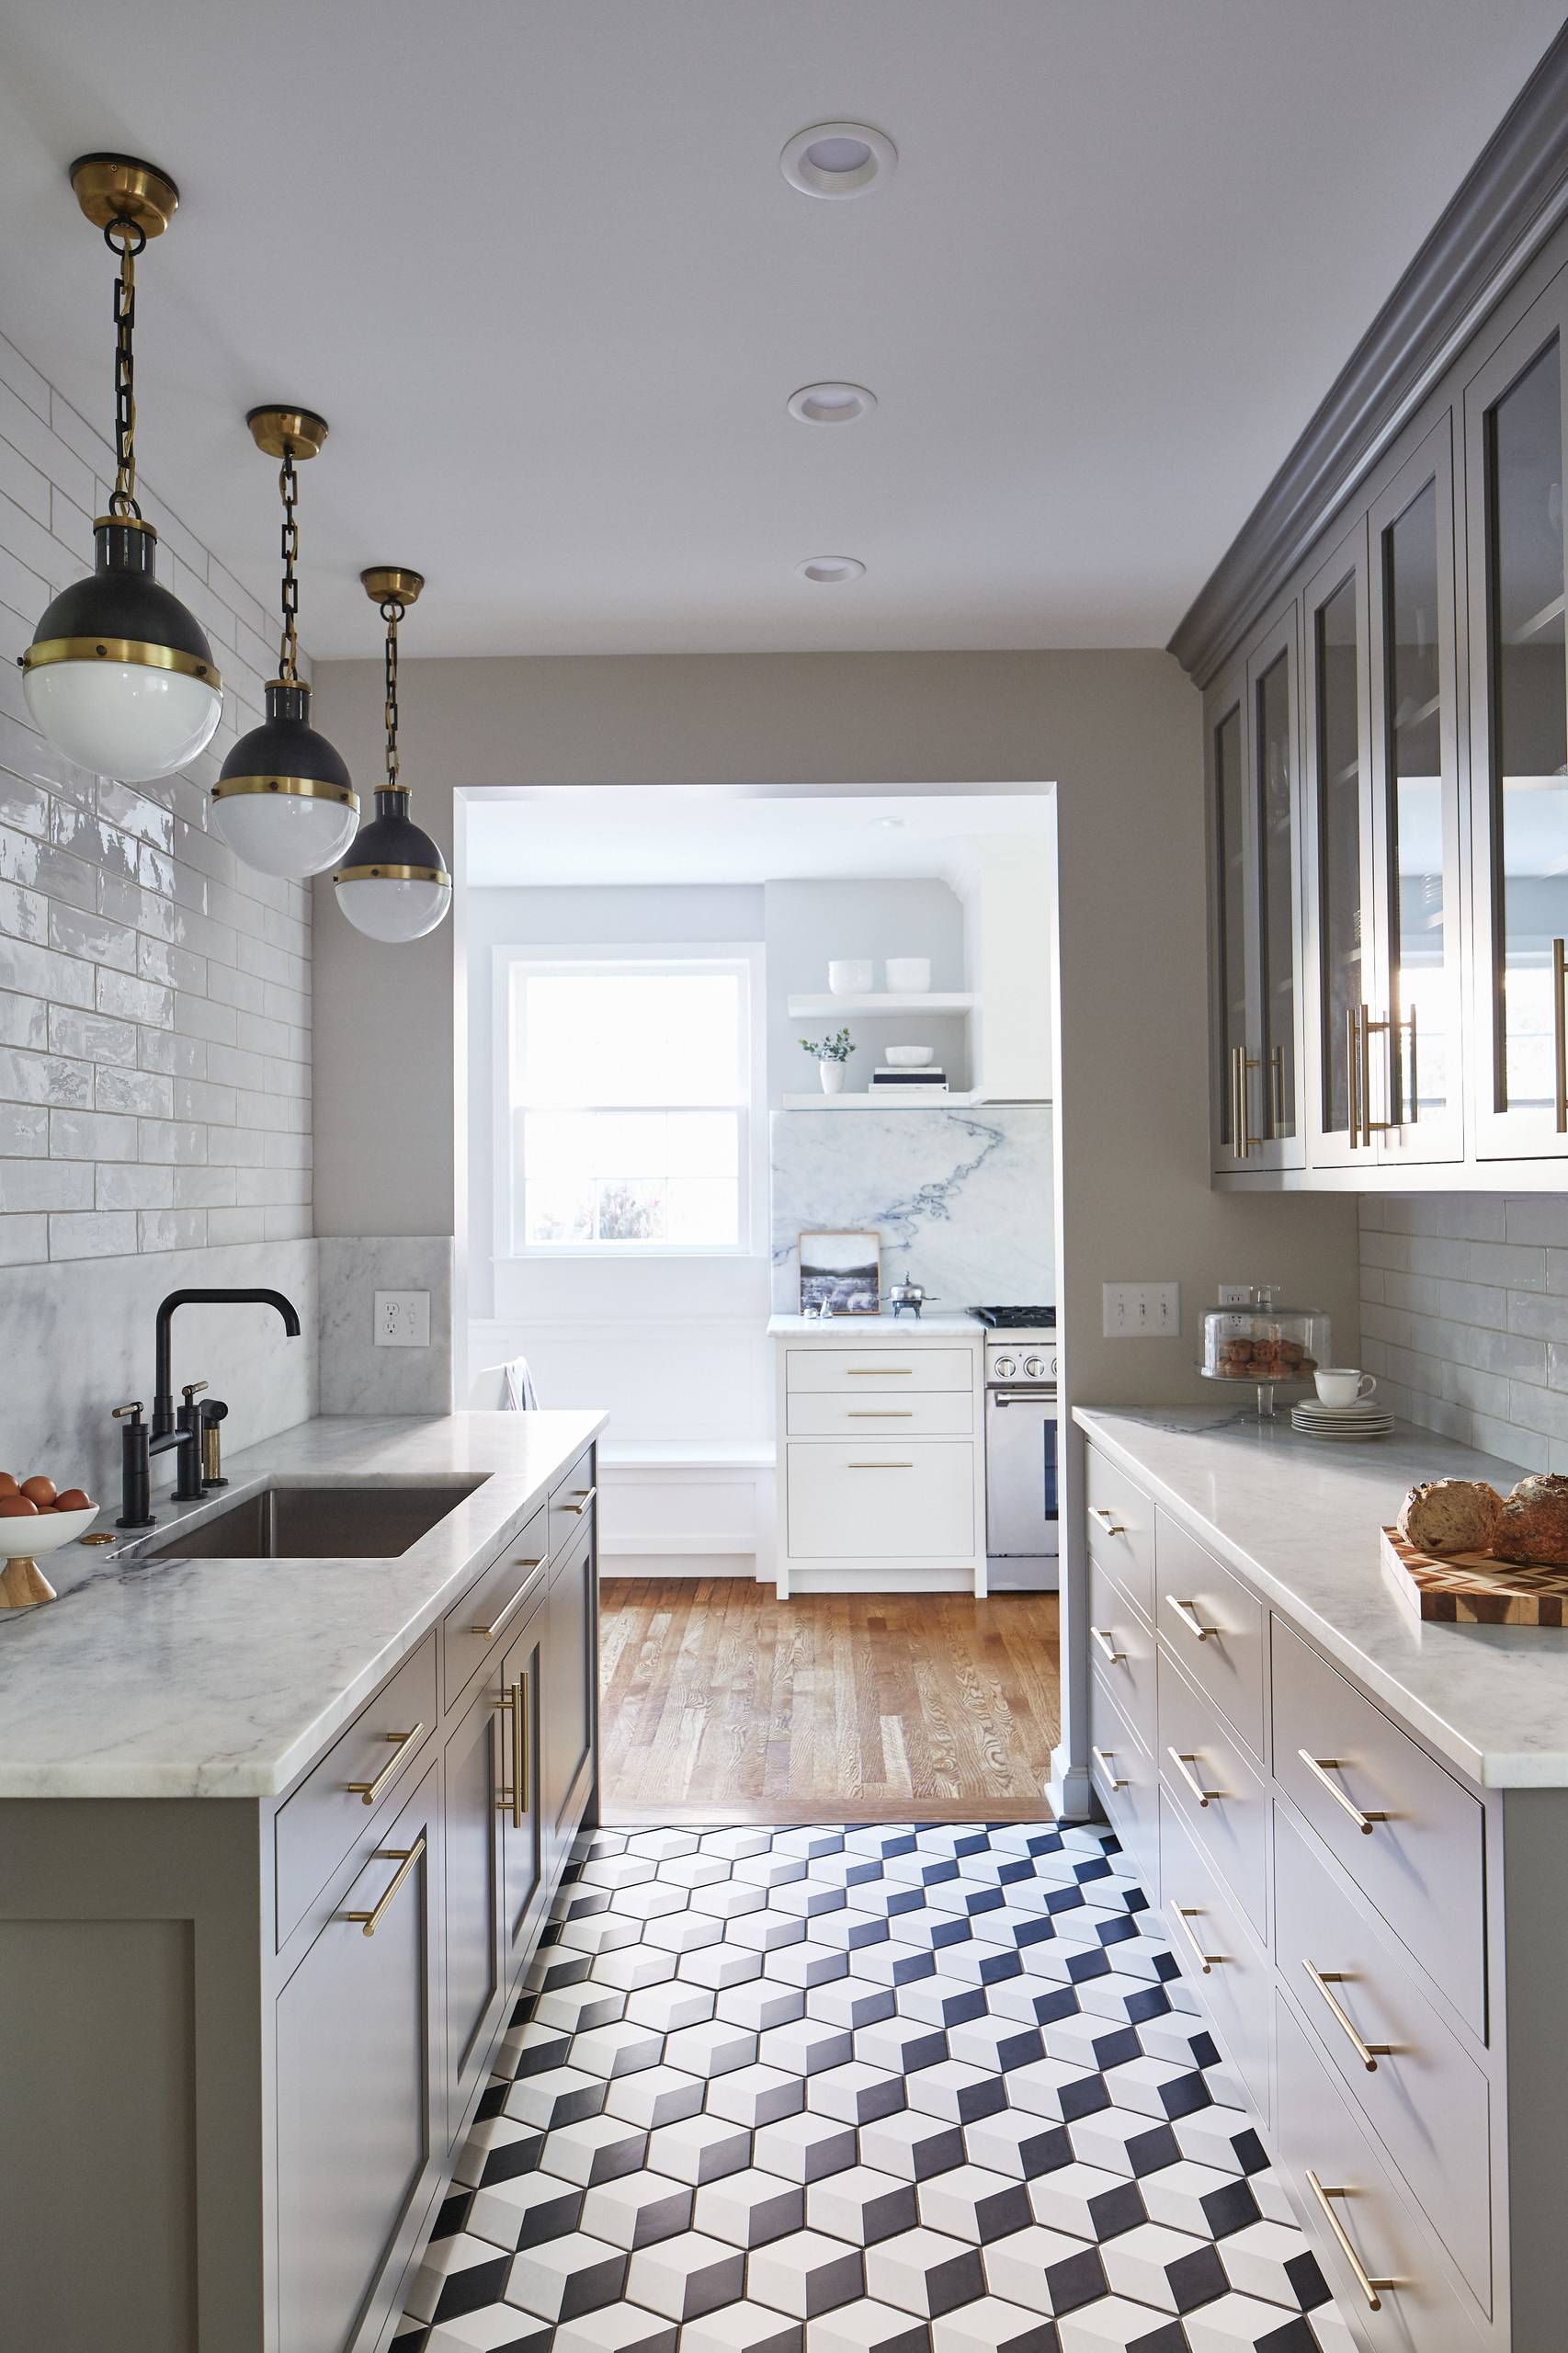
column 1473, row 1589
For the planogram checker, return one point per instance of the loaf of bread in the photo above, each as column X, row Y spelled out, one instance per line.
column 1447, row 1516
column 1534, row 1524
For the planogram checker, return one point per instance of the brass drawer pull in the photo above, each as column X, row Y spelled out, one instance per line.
column 1112, row 1527
column 586, row 1496
column 1190, row 1619
column 404, row 1858
column 370, row 1790
column 1102, row 1635
column 1183, row 1912
column 514, row 1703
column 1105, row 1759
column 876, row 1371
column 880, row 1466
column 1184, row 1766
column 1322, row 1767
column 488, row 1633
column 879, row 1413
column 1368, row 2054
column 1373, row 2290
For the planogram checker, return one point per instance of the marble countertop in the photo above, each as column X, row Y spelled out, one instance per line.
column 157, row 1678
column 1300, row 1519
column 855, row 1331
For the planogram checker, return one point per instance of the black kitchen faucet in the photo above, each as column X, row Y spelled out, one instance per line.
column 186, row 1428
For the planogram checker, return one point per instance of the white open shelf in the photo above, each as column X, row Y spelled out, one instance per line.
column 885, row 1098
column 807, row 1008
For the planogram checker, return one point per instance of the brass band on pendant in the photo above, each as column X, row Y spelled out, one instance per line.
column 304, row 788
column 392, row 874
column 121, row 649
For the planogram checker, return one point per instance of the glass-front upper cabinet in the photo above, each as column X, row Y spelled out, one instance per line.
column 1255, row 951
column 1519, row 673
column 1340, row 875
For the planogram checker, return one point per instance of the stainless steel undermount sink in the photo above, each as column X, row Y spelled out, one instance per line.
column 286, row 1523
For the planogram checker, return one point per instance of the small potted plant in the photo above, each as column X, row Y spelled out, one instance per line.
column 831, row 1054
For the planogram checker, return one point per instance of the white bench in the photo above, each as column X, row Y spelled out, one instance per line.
column 675, row 1507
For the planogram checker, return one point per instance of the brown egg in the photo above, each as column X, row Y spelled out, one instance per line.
column 74, row 1499
column 17, row 1507
column 10, row 1484
column 40, row 1490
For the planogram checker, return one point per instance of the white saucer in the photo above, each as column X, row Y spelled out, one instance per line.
column 1364, row 1409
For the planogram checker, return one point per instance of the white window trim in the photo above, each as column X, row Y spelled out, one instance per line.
column 745, row 956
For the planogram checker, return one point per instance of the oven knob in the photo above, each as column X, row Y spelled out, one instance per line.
column 1004, row 1368
column 1035, row 1368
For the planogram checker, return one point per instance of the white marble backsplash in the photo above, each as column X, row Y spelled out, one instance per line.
column 356, row 1376
column 76, row 1339
column 961, row 1199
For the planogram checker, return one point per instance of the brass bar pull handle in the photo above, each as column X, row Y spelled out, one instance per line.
column 1190, row 1619
column 488, row 1633
column 514, row 1704
column 370, row 1790
column 1322, row 1767
column 1373, row 2290
column 1184, row 1766
column 1102, row 1635
column 1369, row 1127
column 1183, row 1914
column 1352, row 1074
column 404, row 1858
column 879, row 1414
column 1325, row 1980
column 1559, row 1028
column 1111, row 1524
column 880, row 1372
column 882, row 1466
column 1242, row 1137
column 584, row 1497
column 1106, row 1760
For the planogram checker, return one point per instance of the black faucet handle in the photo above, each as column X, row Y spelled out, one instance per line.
column 133, row 1409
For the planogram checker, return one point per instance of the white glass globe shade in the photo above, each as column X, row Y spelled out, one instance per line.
column 286, row 833
column 391, row 909
column 123, row 719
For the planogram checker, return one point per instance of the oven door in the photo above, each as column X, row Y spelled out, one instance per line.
column 1022, row 1477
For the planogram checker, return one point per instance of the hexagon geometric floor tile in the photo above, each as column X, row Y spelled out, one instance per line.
column 891, row 2088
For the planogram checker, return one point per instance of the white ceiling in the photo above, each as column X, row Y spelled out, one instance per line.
column 535, row 262
column 645, row 834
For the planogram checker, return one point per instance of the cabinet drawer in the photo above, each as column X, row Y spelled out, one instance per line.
column 1423, row 1865
column 1121, row 1529
column 1316, row 2130
column 880, row 1413
column 1205, row 1923
column 1214, row 1626
column 473, row 1626
column 876, row 1500
column 571, row 1503
column 1424, row 2097
column 316, row 1828
column 1123, row 1772
column 1122, row 1651
column 1232, row 1827
column 853, row 1369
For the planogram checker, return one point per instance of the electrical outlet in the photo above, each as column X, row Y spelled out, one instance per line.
column 1236, row 1294
column 403, row 1319
column 1141, row 1310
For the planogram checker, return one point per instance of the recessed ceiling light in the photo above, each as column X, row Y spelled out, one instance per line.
column 831, row 404
column 839, row 159
column 827, row 570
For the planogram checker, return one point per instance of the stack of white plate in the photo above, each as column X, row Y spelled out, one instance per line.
column 1366, row 1419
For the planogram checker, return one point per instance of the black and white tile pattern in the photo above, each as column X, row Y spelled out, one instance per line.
column 875, row 2090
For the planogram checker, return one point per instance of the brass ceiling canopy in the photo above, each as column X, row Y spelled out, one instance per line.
column 121, row 188
column 392, row 584
column 282, row 432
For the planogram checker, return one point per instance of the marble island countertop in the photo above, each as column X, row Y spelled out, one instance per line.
column 154, row 1678
column 1299, row 1517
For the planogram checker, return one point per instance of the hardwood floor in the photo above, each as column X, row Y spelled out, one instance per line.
column 720, row 1704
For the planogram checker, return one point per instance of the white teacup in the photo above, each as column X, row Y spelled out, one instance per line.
column 1343, row 1384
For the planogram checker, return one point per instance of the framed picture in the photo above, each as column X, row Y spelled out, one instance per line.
column 841, row 1274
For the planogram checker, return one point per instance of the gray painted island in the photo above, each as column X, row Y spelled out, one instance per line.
column 278, row 1838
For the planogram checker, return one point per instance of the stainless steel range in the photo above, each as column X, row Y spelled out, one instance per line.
column 1021, row 1459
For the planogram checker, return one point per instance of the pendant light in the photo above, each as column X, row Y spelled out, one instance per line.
column 119, row 676
column 394, row 886
column 283, row 801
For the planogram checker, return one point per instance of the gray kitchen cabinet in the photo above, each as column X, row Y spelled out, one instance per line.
column 474, row 1793
column 1338, row 876
column 524, row 1706
column 570, row 1713
column 358, row 2083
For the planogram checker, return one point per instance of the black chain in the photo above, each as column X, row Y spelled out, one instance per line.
column 289, row 650
column 127, row 239
column 391, row 613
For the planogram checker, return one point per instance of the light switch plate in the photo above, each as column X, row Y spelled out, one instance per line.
column 403, row 1319
column 1141, row 1310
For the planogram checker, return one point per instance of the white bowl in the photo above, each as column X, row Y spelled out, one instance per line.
column 909, row 975
column 849, row 976
column 45, row 1531
column 908, row 1057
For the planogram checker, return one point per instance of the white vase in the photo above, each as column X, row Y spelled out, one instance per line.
column 832, row 1077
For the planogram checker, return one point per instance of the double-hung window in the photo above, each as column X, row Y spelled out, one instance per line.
column 629, row 1080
